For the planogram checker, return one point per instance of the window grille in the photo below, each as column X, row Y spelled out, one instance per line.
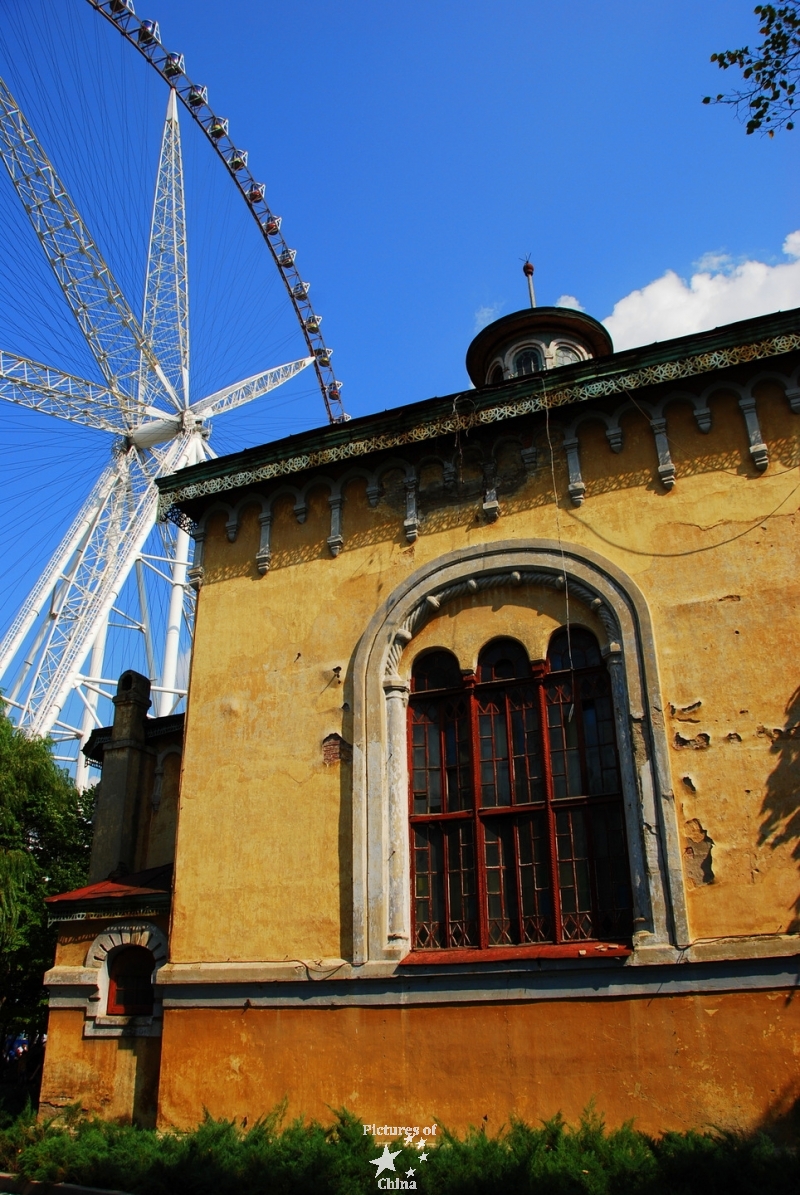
column 130, row 987
column 528, row 361
column 515, row 799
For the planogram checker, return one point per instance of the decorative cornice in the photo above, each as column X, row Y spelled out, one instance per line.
column 549, row 396
column 153, row 906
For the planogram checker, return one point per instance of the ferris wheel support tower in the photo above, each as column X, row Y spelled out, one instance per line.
column 144, row 402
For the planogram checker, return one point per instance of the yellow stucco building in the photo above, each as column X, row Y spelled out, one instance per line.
column 488, row 799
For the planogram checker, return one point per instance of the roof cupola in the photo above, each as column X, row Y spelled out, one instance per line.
column 532, row 340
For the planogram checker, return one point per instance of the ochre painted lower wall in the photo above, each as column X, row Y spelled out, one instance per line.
column 117, row 1077
column 669, row 1062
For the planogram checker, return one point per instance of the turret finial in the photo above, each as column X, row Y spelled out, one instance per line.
column 527, row 270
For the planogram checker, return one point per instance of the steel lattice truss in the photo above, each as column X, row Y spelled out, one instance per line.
column 145, row 36
column 145, row 403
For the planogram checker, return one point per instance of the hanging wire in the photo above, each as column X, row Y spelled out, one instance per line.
column 561, row 549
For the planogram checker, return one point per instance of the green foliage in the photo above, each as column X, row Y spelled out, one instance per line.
column 45, row 834
column 770, row 71
column 223, row 1158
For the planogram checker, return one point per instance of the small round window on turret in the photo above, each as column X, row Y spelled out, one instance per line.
column 528, row 361
column 566, row 355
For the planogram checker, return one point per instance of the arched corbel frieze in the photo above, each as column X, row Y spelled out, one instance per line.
column 528, row 452
column 747, row 405
column 411, row 523
column 380, row 777
column 702, row 412
column 656, row 414
column 197, row 570
column 576, row 487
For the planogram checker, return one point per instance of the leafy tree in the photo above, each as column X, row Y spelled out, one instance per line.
column 770, row 71
column 45, row 835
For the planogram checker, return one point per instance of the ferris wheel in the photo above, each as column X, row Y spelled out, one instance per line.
column 116, row 574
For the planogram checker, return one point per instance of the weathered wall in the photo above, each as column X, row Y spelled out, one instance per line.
column 716, row 559
column 670, row 1062
column 159, row 846
column 117, row 1078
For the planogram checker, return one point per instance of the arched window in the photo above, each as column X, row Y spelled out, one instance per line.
column 528, row 361
column 566, row 355
column 130, row 987
column 496, row 376
column 516, row 808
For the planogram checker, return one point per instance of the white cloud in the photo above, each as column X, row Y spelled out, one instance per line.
column 486, row 315
column 721, row 292
column 791, row 246
column 569, row 301
column 715, row 262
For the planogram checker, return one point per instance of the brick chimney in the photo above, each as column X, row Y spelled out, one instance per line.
column 125, row 762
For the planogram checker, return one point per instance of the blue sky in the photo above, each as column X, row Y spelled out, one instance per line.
column 417, row 153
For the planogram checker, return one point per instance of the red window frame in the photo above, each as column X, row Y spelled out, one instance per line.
column 536, row 867
column 130, row 987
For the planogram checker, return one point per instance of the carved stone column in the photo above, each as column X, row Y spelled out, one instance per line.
column 666, row 469
column 758, row 449
column 335, row 539
column 642, row 910
column 491, row 507
column 196, row 571
column 264, row 553
column 398, row 871
column 576, row 487
column 793, row 398
column 411, row 522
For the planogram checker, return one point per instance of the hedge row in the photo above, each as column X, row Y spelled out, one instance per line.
column 223, row 1158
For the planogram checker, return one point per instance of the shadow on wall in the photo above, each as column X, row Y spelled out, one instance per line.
column 145, row 1065
column 782, row 1121
column 780, row 808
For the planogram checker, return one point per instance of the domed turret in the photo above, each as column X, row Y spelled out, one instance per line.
column 532, row 340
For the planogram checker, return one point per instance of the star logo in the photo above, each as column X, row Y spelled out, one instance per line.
column 409, row 1173
column 421, row 1143
column 423, row 1157
column 409, row 1139
column 385, row 1161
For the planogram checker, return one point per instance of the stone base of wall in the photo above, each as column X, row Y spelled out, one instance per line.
column 116, row 1078
column 667, row 1062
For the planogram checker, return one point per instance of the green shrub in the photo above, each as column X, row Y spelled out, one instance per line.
column 221, row 1157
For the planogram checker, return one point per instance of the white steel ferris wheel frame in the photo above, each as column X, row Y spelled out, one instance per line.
column 145, row 36
column 145, row 404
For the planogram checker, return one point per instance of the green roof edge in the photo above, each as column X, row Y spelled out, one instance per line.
column 597, row 374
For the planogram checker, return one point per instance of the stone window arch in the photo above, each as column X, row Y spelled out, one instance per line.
column 101, row 1020
column 382, row 914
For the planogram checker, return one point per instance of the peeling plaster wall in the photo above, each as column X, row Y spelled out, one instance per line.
column 116, row 1078
column 264, row 840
